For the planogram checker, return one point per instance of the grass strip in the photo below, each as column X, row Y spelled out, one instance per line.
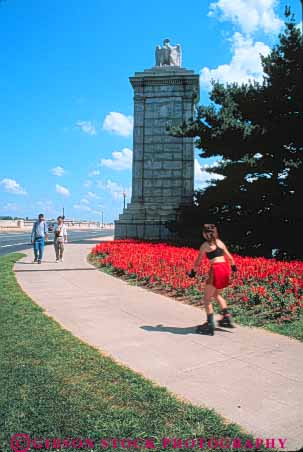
column 55, row 386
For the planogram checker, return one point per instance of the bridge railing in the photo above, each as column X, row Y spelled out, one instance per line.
column 28, row 224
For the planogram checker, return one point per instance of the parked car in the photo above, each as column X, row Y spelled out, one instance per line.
column 51, row 227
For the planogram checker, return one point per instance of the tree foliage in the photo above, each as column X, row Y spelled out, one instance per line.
column 257, row 131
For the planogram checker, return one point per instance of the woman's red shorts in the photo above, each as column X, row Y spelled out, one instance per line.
column 219, row 275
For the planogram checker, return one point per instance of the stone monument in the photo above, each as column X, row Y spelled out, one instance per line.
column 163, row 165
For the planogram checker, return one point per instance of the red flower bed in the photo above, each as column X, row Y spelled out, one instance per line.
column 272, row 289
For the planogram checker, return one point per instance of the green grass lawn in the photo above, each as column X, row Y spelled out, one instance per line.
column 53, row 385
column 244, row 317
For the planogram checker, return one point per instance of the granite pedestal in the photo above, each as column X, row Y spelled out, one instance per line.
column 163, row 165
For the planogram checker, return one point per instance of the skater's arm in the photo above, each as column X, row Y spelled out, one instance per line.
column 229, row 257
column 199, row 258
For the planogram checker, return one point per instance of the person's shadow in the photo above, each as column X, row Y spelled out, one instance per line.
column 176, row 329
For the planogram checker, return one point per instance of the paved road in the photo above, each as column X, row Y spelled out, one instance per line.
column 11, row 242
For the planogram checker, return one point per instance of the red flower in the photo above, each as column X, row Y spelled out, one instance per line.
column 160, row 264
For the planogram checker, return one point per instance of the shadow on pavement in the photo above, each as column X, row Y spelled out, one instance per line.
column 176, row 330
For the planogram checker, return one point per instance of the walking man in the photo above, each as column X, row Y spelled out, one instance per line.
column 38, row 237
column 60, row 237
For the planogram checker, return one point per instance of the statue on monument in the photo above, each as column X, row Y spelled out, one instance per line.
column 162, row 164
column 168, row 55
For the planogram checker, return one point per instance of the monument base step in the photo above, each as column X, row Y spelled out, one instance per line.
column 144, row 229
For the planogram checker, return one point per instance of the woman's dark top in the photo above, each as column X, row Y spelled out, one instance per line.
column 218, row 252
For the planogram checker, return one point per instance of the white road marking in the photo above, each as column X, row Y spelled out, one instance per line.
column 74, row 236
column 14, row 236
column 14, row 244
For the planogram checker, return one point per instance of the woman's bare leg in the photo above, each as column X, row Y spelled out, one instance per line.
column 220, row 299
column 209, row 293
column 208, row 327
column 226, row 320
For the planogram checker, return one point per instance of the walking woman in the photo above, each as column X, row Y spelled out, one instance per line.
column 221, row 264
column 60, row 238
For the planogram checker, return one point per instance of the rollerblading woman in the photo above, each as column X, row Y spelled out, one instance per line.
column 221, row 265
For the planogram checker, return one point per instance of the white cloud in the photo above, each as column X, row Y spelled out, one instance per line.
column 62, row 190
column 10, row 207
column 87, row 183
column 118, row 123
column 115, row 189
column 249, row 15
column 57, row 171
column 202, row 177
column 245, row 64
column 44, row 203
column 121, row 160
column 83, row 204
column 48, row 207
column 94, row 173
column 87, row 127
column 12, row 186
column 92, row 195
column 82, row 207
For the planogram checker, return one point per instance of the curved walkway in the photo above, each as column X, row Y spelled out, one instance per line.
column 250, row 376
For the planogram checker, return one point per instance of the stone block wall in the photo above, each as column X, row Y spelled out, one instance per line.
column 163, row 165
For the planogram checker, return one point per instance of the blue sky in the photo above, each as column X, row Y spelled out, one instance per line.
column 66, row 102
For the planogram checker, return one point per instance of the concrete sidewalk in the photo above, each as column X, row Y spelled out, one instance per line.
column 250, row 376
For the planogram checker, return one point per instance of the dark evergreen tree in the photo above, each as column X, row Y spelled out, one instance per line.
column 257, row 130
